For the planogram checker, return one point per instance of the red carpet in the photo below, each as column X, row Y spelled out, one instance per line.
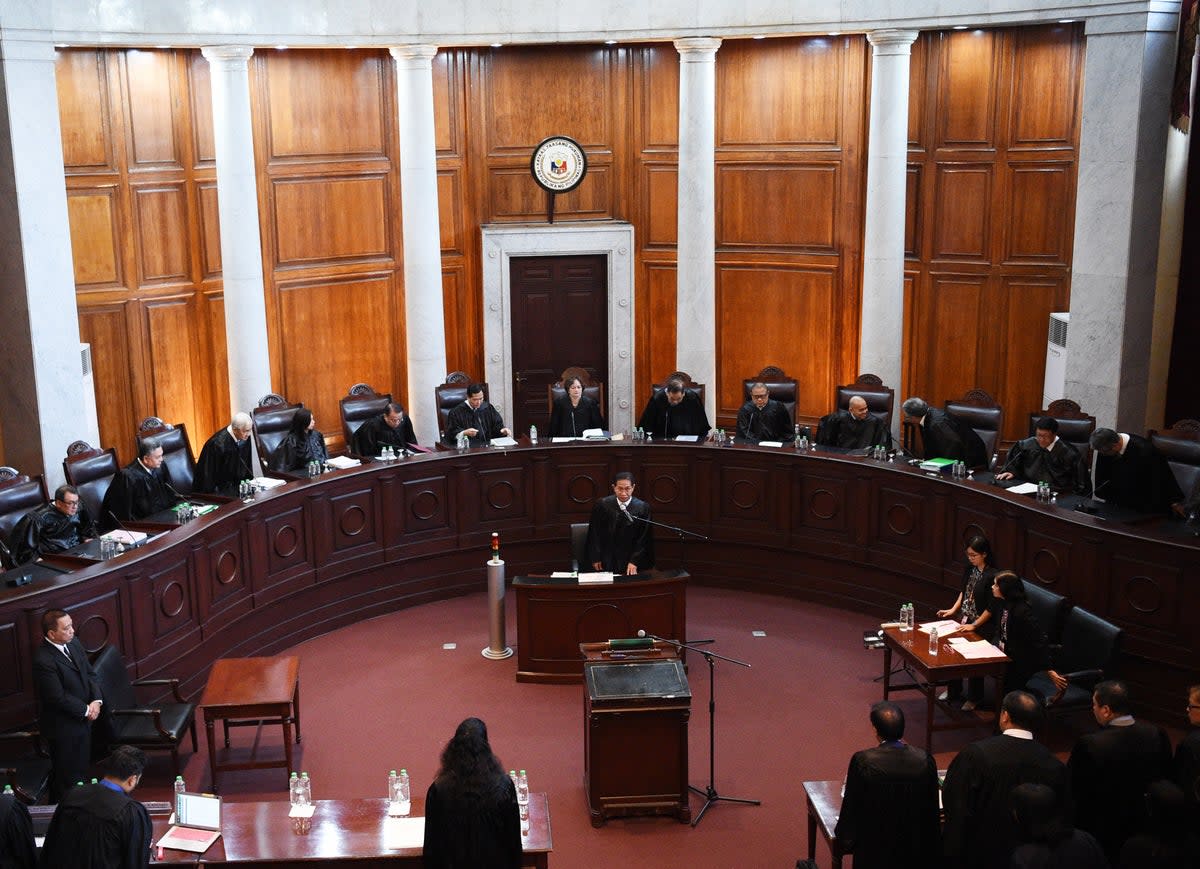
column 384, row 693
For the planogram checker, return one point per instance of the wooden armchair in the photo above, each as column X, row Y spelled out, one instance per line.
column 979, row 410
column 91, row 471
column 449, row 395
column 177, row 451
column 272, row 419
column 779, row 386
column 593, row 389
column 1180, row 444
column 1074, row 426
column 880, row 399
column 688, row 384
column 25, row 765
column 18, row 495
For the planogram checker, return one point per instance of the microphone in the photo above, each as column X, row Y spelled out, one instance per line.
column 121, row 525
column 1088, row 505
column 624, row 508
column 171, row 489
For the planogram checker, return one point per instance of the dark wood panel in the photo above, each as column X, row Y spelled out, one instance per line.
column 84, row 110
column 799, row 199
column 1039, row 195
column 204, row 149
column 210, row 231
column 527, row 99
column 160, row 214
column 94, row 217
column 320, row 220
column 963, row 206
column 152, row 135
column 1044, row 108
column 1030, row 302
column 660, row 103
column 949, row 306
column 105, row 327
column 661, row 205
column 515, row 196
column 450, row 217
column 966, row 108
column 177, row 384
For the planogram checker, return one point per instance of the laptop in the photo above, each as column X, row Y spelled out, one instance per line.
column 197, row 823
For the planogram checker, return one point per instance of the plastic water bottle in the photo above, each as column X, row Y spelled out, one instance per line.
column 404, row 792
column 179, row 788
column 294, row 792
column 933, row 641
column 533, row 434
column 305, row 790
column 393, row 791
column 523, row 794
column 8, row 789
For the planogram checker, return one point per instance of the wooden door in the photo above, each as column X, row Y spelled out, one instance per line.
column 559, row 319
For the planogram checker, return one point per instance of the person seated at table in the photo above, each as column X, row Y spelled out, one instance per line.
column 944, row 435
column 17, row 847
column 100, row 824
column 225, row 458
column 1131, row 473
column 302, row 444
column 392, row 428
column 475, row 418
column 973, row 609
column 471, row 816
column 618, row 540
column 853, row 429
column 1047, row 839
column 673, row 412
column 574, row 413
column 889, row 813
column 53, row 527
column 141, row 488
column 1046, row 457
column 762, row 418
column 1017, row 632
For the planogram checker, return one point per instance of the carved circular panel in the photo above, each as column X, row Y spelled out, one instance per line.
column 744, row 494
column 581, row 489
column 94, row 633
column 1144, row 594
column 425, row 505
column 227, row 567
column 900, row 519
column 170, row 602
column 823, row 504
column 287, row 540
column 1046, row 567
column 501, row 496
column 663, row 489
column 973, row 530
column 353, row 521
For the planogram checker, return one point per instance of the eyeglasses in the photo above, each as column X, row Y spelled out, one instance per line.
column 1192, row 706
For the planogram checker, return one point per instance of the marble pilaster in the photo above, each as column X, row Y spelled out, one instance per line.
column 237, row 208
column 424, row 314
column 696, row 277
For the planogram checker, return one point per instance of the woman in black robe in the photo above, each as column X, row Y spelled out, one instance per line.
column 303, row 444
column 1017, row 632
column 574, row 413
column 471, row 817
column 973, row 610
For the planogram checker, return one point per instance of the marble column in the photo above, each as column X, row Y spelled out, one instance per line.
column 881, row 329
column 1118, row 211
column 424, row 315
column 42, row 399
column 237, row 208
column 696, row 274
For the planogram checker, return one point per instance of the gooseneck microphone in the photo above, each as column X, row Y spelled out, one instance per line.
column 121, row 525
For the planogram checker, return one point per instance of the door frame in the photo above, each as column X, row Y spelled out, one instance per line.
column 503, row 242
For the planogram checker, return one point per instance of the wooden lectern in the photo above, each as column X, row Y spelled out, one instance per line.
column 636, row 705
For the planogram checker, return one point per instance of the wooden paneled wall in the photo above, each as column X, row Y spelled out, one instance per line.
column 994, row 131
column 994, row 121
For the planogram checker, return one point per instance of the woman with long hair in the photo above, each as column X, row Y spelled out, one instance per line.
column 973, row 609
column 471, row 819
column 302, row 444
column 1018, row 633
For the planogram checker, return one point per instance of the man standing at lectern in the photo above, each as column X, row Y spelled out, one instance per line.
column 619, row 539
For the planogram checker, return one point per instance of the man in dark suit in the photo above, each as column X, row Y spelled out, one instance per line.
column 944, row 435
column 68, row 693
column 889, row 814
column 1110, row 769
column 976, row 794
column 618, row 540
column 1187, row 756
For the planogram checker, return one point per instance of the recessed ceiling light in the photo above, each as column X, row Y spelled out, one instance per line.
column 960, row 27
column 835, row 33
column 761, row 36
column 497, row 45
column 162, row 46
column 610, row 42
column 1066, row 21
column 281, row 48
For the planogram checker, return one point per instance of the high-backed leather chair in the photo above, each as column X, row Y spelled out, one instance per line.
column 25, row 765
column 91, row 470
column 18, row 495
column 272, row 419
column 1180, row 444
column 1048, row 608
column 578, row 541
column 359, row 405
column 1087, row 655
column 979, row 410
column 688, row 383
column 450, row 394
column 880, row 399
column 593, row 389
column 177, row 451
column 779, row 386
column 1074, row 426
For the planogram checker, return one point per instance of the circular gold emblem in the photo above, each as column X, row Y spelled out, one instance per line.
column 558, row 164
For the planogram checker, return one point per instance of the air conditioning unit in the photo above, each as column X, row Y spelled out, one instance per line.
column 1054, row 385
column 89, row 422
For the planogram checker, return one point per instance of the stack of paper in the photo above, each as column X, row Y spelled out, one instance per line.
column 343, row 462
column 599, row 576
column 944, row 627
column 975, row 649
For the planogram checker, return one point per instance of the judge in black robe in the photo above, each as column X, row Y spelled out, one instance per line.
column 225, row 459
column 762, row 418
column 889, row 814
column 476, row 417
column 99, row 826
column 141, row 488
column 1111, row 768
column 1187, row 758
column 303, row 444
column 945, row 436
column 471, row 816
column 618, row 539
column 1046, row 457
column 574, row 413
column 853, row 429
column 53, row 527
column 673, row 412
column 17, row 848
column 392, row 428
column 1131, row 473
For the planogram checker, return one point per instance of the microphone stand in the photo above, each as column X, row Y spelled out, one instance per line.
column 710, row 793
column 682, row 532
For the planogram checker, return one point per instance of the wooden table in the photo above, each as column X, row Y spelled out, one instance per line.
column 824, row 805
column 929, row 672
column 341, row 834
column 250, row 692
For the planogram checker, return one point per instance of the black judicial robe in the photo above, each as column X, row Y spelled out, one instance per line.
column 486, row 419
column 47, row 529
column 772, row 423
column 17, row 849
column 96, row 827
column 374, row 434
column 568, row 421
column 1060, row 466
column 475, row 828
column 1187, row 771
column 1140, row 479
column 296, row 451
column 662, row 420
column 615, row 540
column 842, row 429
column 137, row 492
column 223, row 464
column 948, row 437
